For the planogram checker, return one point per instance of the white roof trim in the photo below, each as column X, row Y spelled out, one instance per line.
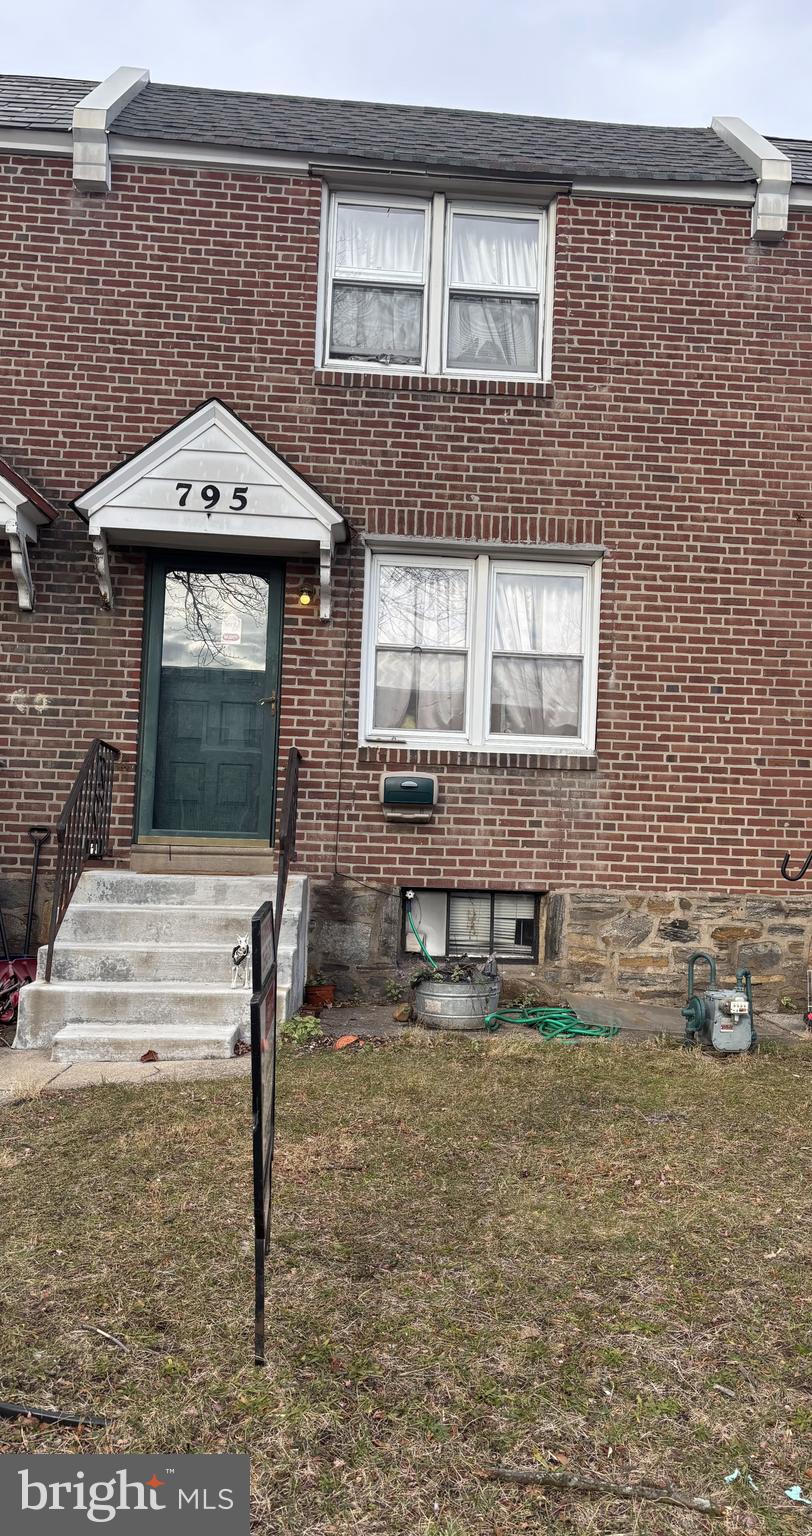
column 773, row 172
column 19, row 520
column 254, row 503
column 92, row 117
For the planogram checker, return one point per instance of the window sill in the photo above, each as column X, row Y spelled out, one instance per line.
column 453, row 757
column 422, row 383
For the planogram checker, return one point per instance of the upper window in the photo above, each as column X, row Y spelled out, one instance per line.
column 480, row 651
column 433, row 286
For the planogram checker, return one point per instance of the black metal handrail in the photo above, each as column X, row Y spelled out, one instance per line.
column 83, row 830
column 287, row 834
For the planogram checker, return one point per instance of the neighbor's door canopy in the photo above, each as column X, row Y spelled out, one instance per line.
column 210, row 483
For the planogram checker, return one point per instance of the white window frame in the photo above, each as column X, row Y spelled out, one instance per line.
column 439, row 210
column 372, row 591
column 486, row 210
column 477, row 734
column 379, row 280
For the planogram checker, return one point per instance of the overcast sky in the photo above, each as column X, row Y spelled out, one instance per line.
column 627, row 60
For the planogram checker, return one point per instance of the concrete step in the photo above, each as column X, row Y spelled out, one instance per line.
column 129, row 1042
column 122, row 887
column 48, row 1007
column 146, row 958
column 139, row 923
column 209, row 965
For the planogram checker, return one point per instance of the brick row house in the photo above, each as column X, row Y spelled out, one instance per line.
column 464, row 452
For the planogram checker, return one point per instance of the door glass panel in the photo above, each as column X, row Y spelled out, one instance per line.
column 212, row 726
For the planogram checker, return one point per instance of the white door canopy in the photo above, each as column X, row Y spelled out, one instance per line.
column 210, row 483
column 22, row 511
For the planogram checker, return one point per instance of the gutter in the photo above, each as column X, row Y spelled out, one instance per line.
column 773, row 175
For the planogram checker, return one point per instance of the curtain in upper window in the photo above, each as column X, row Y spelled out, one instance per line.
column 378, row 283
column 496, row 329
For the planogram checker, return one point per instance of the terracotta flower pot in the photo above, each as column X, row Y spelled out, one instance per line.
column 320, row 994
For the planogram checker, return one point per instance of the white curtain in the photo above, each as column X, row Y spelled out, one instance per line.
column 538, row 613
column 494, row 253
column 375, row 239
column 376, row 322
column 485, row 332
column 423, row 691
column 534, row 697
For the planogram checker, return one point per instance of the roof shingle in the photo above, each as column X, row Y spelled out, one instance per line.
column 375, row 132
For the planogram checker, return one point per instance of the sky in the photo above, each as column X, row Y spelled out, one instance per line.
column 620, row 60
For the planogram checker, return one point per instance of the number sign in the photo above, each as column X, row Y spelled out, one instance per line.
column 263, row 1101
column 234, row 498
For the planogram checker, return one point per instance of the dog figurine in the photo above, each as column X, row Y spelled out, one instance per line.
column 239, row 962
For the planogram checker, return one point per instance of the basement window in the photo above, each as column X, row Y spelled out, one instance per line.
column 475, row 923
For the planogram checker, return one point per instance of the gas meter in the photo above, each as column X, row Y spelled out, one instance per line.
column 721, row 1017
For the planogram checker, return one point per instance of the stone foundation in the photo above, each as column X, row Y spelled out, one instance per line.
column 612, row 943
column 14, row 905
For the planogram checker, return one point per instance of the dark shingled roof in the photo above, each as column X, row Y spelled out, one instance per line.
column 33, row 101
column 356, row 131
column 800, row 153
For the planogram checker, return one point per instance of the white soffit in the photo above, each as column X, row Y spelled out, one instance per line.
column 773, row 173
column 210, row 483
column 20, row 517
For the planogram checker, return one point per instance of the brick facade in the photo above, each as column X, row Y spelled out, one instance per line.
column 674, row 433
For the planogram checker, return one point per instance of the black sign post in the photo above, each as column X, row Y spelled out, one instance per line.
column 263, row 1101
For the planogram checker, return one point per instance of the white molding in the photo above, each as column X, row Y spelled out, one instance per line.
column 98, row 545
column 20, row 530
column 136, row 503
column 177, row 151
column 668, row 191
column 92, row 117
column 773, row 170
column 35, row 141
column 389, row 543
column 800, row 197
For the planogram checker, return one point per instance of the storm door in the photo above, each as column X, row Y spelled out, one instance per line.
column 210, row 703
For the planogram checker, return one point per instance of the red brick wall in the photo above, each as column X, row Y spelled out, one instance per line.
column 676, row 434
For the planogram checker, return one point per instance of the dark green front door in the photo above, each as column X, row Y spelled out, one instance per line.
column 210, row 707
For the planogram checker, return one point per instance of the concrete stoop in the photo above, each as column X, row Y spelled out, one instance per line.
column 143, row 963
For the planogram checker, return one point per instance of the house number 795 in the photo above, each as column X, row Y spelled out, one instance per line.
column 210, row 495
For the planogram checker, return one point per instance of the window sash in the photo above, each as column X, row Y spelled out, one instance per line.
column 436, row 286
column 353, row 277
column 374, row 647
column 477, row 733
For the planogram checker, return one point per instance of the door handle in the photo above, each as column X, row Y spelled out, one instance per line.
column 271, row 699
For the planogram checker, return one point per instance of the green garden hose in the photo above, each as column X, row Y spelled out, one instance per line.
column 551, row 1023
column 424, row 951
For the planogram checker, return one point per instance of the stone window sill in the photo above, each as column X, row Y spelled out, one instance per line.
column 421, row 383
column 429, row 757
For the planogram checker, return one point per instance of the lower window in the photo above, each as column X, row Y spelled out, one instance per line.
column 480, row 651
column 501, row 923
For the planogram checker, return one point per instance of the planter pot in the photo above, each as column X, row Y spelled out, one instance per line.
column 456, row 1004
column 320, row 994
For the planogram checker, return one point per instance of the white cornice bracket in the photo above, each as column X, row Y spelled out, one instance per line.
column 92, row 117
column 773, row 175
column 101, row 560
column 18, row 530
